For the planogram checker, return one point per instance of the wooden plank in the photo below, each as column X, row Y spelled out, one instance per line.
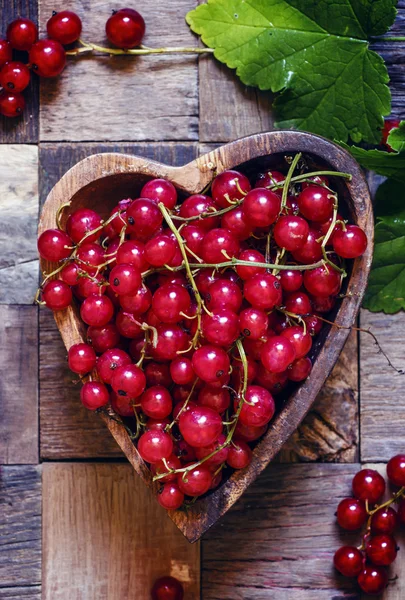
column 20, row 532
column 19, row 385
column 228, row 108
column 22, row 130
column 124, row 97
column 382, row 410
column 279, row 539
column 18, row 227
column 67, row 429
column 116, row 538
column 330, row 432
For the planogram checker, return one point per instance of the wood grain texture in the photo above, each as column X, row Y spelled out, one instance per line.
column 228, row 108
column 101, row 180
column 330, row 431
column 32, row 592
column 18, row 385
column 22, row 130
column 278, row 541
column 116, row 538
column 67, row 429
column 18, row 225
column 20, row 531
column 382, row 390
column 124, row 97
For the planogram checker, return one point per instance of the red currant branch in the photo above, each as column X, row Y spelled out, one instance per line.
column 90, row 48
column 287, row 181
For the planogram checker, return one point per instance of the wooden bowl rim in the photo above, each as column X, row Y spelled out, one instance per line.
column 193, row 178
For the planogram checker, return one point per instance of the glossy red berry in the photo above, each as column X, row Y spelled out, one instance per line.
column 144, row 217
column 291, row 232
column 216, row 398
column 156, row 402
column 81, row 222
column 155, row 445
column 200, row 426
column 54, row 245
column 299, row 369
column 200, row 205
column 81, row 358
column 224, row 293
column 57, row 295
column 103, row 337
column 210, row 363
column 125, row 279
column 381, row 550
column 253, row 323
column 169, row 301
column 277, row 354
column 384, row 521
column 349, row 561
column 219, row 246
column 323, row 281
column 12, row 104
column 351, row 514
column 300, row 339
column 196, row 482
column 14, row 76
column 125, row 28
column 221, row 328
column 128, row 380
column 47, row 58
column 171, row 498
column 171, row 340
column 235, row 222
column 97, row 310
column 269, row 179
column 160, row 190
column 94, row 395
column 110, row 361
column 160, row 250
column 396, row 470
column 291, row 281
column 181, row 371
column 219, row 454
column 369, row 485
column 22, row 34
column 259, row 407
column 251, row 256
column 261, row 207
column 132, row 252
column 350, row 242
column 263, row 291
column 373, row 580
column 311, row 251
column 316, row 203
column 167, row 588
column 6, row 52
column 64, row 27
column 239, row 455
column 229, row 186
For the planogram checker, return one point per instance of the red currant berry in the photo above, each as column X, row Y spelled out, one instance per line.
column 171, row 340
column 22, row 34
column 381, row 550
column 156, row 402
column 235, row 222
column 299, row 369
column 252, row 256
column 200, row 426
column 228, row 187
column 389, row 125
column 396, row 470
column 160, row 250
column 160, row 468
column 127, row 325
column 138, row 303
column 64, row 27
column 125, row 279
column 6, row 52
column 350, row 242
column 373, row 580
column 171, row 498
column 316, row 203
column 200, row 205
column 248, row 433
column 384, row 521
column 128, row 380
column 273, row 382
column 311, row 251
column 351, row 514
column 157, row 374
column 57, row 295
column 54, row 245
column 277, row 354
column 349, row 561
column 144, row 217
column 169, row 301
column 70, row 274
column 155, row 445
column 89, row 256
column 261, row 207
column 81, row 358
column 269, row 179
column 110, row 361
column 291, row 281
column 239, row 455
column 210, row 363
column 103, row 338
column 181, row 371
column 263, row 291
column 125, row 28
column 160, row 190
column 81, row 222
column 224, row 293
column 314, row 324
column 217, row 399
column 97, row 310
column 14, row 76
column 221, row 327
column 122, row 405
column 323, row 305
column 12, row 104
column 368, row 485
column 47, row 58
column 94, row 395
column 253, row 323
column 219, row 246
column 316, row 180
column 219, row 455
column 259, row 407
column 291, row 232
column 323, row 281
column 301, row 340
column 132, row 253
column 196, row 482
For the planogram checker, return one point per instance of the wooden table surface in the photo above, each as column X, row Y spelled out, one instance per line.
column 75, row 523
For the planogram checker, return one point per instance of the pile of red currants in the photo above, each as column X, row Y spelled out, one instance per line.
column 200, row 310
column 379, row 549
column 47, row 57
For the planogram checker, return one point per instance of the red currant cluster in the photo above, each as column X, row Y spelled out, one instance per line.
column 379, row 549
column 201, row 310
column 167, row 588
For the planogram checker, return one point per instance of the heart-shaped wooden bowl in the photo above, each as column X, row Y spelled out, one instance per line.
column 101, row 180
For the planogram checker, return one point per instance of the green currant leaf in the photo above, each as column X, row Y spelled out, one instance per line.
column 396, row 138
column 315, row 52
column 386, row 287
column 389, row 164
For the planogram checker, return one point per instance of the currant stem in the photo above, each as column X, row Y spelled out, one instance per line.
column 89, row 47
column 287, row 180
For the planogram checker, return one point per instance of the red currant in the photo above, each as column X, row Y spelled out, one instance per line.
column 351, row 514
column 373, row 580
column 349, row 242
column 316, row 203
column 14, row 76
column 97, row 310
column 160, row 190
column 156, row 402
column 368, row 485
column 155, row 445
column 381, row 550
column 396, row 470
column 384, row 521
column 239, row 455
column 210, row 363
column 6, row 52
column 219, row 246
column 196, row 482
column 22, row 34
column 291, row 232
column 57, row 295
column 47, row 58
column 323, row 281
column 110, row 361
column 64, row 27
column 277, row 354
column 261, row 207
column 94, row 395
column 259, row 407
column 103, row 337
column 349, row 561
column 263, row 291
column 125, row 28
column 228, row 187
column 54, row 245
column 81, row 358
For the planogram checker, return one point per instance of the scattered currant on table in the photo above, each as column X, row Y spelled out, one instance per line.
column 378, row 548
column 167, row 588
column 195, row 326
column 124, row 29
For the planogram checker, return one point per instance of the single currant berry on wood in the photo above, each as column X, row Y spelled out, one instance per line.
column 57, row 295
column 125, row 28
column 6, row 52
column 368, row 485
column 64, row 27
column 349, row 561
column 384, row 520
column 167, row 588
column 12, row 104
column 94, row 395
column 22, row 34
column 229, row 187
column 349, row 242
column 396, row 470
column 81, row 358
column 47, row 58
column 381, row 550
column 14, row 76
column 351, row 514
column 373, row 580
